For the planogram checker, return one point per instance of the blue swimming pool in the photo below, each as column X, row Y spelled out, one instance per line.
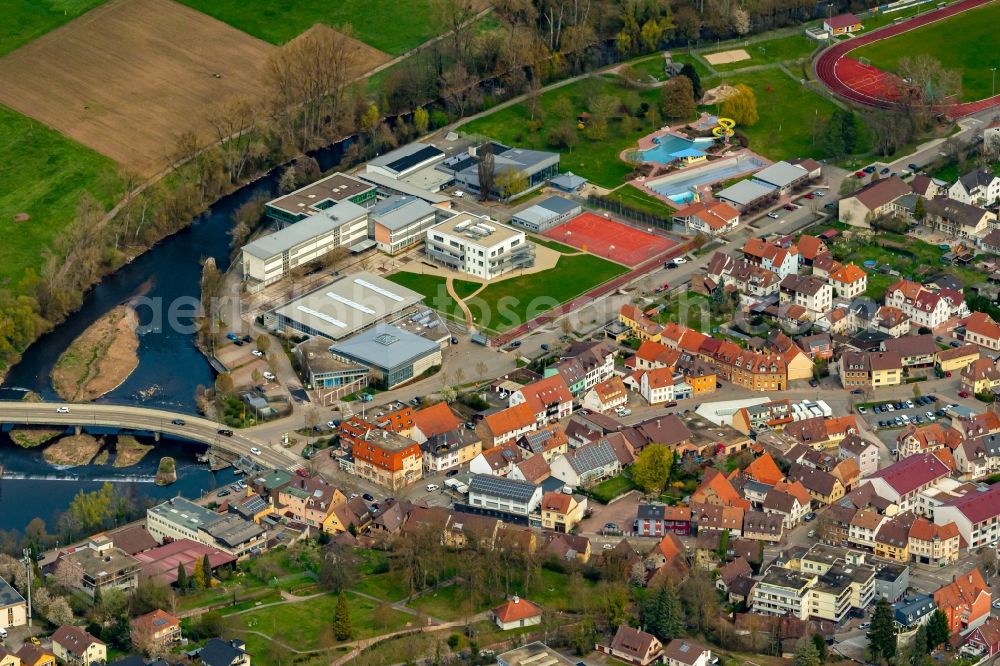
column 682, row 183
column 669, row 144
column 682, row 198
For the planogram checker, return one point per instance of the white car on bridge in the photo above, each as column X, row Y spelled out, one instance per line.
column 254, row 450
column 62, row 410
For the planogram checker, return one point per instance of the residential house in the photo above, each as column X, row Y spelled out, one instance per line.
column 218, row 652
column 587, row 464
column 659, row 519
column 35, row 655
column 817, row 347
column 533, row 470
column 155, row 631
column 750, row 370
column 903, row 481
column 505, row 425
column 842, row 24
column 498, row 461
column 561, row 512
column 965, row 601
column 861, row 451
column 516, row 613
column 798, row 364
column 773, row 415
column 955, row 359
column 912, row 612
column 584, row 365
column 976, row 515
column 915, row 351
column 864, row 526
column 848, row 281
column 958, row 218
column 810, row 247
column 607, row 396
column 891, row 321
column 930, row 543
column 981, row 330
column 450, row 449
column 74, row 646
column 980, row 376
column 633, row 646
column 870, row 369
column 656, row 386
column 783, row 261
column 985, row 639
column 642, row 327
column 913, row 439
column 923, row 306
column 789, row 500
column 550, row 442
column 549, row 399
column 762, row 526
column 686, row 652
column 434, row 420
column 892, row 541
column 980, row 187
column 711, row 219
column 713, row 518
column 807, row 291
column 101, row 566
column 506, row 495
column 872, row 201
column 310, row 501
column 823, row 487
column 13, row 608
column 764, row 469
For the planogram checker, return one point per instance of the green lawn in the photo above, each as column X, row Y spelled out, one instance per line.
column 307, row 625
column 393, row 27
column 42, row 174
column 694, row 311
column 966, row 42
column 605, row 491
column 783, row 49
column 631, row 196
column 554, row 245
column 435, row 291
column 787, row 113
column 509, row 303
column 652, row 66
column 595, row 159
column 448, row 603
column 26, row 20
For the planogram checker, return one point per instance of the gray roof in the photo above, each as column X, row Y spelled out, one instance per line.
column 547, row 209
column 321, row 223
column 8, row 595
column 398, row 212
column 232, row 530
column 744, row 192
column 498, row 486
column 558, row 205
column 780, row 174
column 568, row 180
column 977, row 177
column 181, row 511
column 908, row 611
column 590, row 457
column 218, row 652
column 963, row 214
column 385, row 347
column 406, row 157
column 349, row 304
column 388, row 184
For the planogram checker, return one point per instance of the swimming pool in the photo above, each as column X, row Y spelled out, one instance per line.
column 682, row 198
column 668, row 144
column 683, row 183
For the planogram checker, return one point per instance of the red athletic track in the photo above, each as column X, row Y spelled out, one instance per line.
column 609, row 239
column 871, row 87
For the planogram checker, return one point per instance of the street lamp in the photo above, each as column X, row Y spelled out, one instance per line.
column 994, row 70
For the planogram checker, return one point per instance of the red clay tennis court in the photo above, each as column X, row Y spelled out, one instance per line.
column 609, row 239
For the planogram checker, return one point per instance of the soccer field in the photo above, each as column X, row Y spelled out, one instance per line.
column 966, row 42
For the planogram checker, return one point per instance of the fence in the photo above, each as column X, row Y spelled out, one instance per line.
column 628, row 213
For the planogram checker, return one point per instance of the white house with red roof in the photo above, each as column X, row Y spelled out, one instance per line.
column 515, row 613
column 902, row 482
column 923, row 306
column 980, row 329
column 607, row 396
column 977, row 516
column 711, row 218
column 549, row 399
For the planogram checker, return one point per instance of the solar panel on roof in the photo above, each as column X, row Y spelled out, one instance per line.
column 325, row 317
column 349, row 303
column 404, row 163
column 377, row 289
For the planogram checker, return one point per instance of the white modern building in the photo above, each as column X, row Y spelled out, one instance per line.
column 405, row 161
column 479, row 247
column 496, row 493
column 270, row 258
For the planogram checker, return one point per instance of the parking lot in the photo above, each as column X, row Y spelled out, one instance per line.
column 892, row 415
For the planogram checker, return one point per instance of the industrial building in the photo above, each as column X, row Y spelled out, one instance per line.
column 405, row 161
column 344, row 307
column 270, row 258
column 546, row 214
column 479, row 247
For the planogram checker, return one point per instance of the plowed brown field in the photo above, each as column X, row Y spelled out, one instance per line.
column 129, row 77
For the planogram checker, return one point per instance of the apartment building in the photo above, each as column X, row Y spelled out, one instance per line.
column 478, row 247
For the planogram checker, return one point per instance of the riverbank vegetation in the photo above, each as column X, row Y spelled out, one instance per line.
column 72, row 451
column 29, row 437
column 166, row 472
column 130, row 451
column 100, row 359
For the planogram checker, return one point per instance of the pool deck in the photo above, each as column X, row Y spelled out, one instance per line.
column 704, row 189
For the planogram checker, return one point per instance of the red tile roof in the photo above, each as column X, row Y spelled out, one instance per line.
column 765, row 470
column 538, row 395
column 911, row 473
column 436, row 420
column 979, row 505
column 516, row 609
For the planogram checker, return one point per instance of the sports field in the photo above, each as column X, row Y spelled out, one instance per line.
column 393, row 27
column 609, row 239
column 131, row 76
column 42, row 176
column 966, row 42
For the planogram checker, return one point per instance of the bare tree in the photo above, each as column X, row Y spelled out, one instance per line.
column 486, row 170
column 459, row 88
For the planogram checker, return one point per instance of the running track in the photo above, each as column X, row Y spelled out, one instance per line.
column 828, row 61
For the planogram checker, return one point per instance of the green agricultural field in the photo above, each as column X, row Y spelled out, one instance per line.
column 783, row 49
column 42, row 174
column 966, row 42
column 788, row 112
column 393, row 27
column 26, row 20
column 595, row 159
column 511, row 302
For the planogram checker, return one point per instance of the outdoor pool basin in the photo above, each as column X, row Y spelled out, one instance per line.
column 668, row 144
column 679, row 186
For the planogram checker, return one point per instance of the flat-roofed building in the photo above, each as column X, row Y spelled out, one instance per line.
column 746, row 194
column 393, row 355
column 179, row 518
column 272, row 257
column 344, row 307
column 782, row 176
column 101, row 566
column 319, row 196
column 326, row 374
column 532, row 167
column 483, row 248
column 546, row 214
column 405, row 160
column 400, row 222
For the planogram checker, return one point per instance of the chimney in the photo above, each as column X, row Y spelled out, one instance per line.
column 516, row 599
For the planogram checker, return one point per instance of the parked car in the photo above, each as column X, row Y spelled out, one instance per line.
column 885, row 170
column 431, row 487
column 859, row 174
column 858, row 391
column 451, row 472
column 670, row 265
column 869, row 169
column 545, row 347
column 963, row 394
column 680, row 260
column 913, row 167
column 810, row 196
column 818, row 193
column 830, row 205
column 813, row 383
column 773, row 216
column 862, row 410
column 368, row 497
column 223, row 493
column 225, row 431
column 258, row 353
column 515, row 344
column 269, row 376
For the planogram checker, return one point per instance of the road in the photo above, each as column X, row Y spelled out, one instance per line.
column 194, row 428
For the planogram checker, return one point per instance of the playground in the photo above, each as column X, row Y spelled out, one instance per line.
column 611, row 240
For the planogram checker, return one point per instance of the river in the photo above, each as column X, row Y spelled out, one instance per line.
column 170, row 365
